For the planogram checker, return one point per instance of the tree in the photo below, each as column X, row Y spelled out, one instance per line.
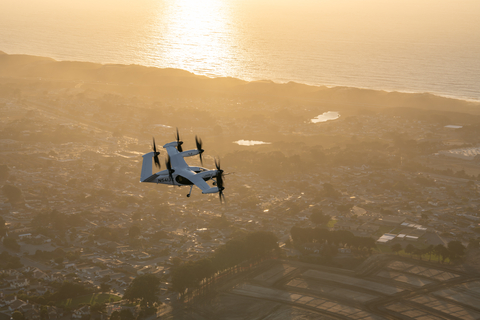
column 8, row 261
column 318, row 217
column 176, row 261
column 396, row 247
column 97, row 307
column 144, row 288
column 456, row 249
column 474, row 243
column 330, row 191
column 440, row 250
column 134, row 231
column 44, row 313
column 70, row 290
column 3, row 172
column 126, row 314
column 13, row 193
column 410, row 249
column 104, row 287
column 3, row 228
column 58, row 260
column 137, row 216
column 17, row 315
column 11, row 243
column 115, row 315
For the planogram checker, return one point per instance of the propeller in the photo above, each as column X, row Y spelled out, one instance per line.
column 198, row 142
column 155, row 155
column 219, row 177
column 169, row 168
column 179, row 142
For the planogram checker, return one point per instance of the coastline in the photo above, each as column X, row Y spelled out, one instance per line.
column 148, row 80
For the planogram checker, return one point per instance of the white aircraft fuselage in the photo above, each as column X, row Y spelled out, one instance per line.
column 181, row 173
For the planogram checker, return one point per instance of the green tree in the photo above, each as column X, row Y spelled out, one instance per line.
column 3, row 228
column 329, row 190
column 474, row 243
column 396, row 247
column 11, row 243
column 126, row 314
column 144, row 287
column 17, row 315
column 13, row 193
column 3, row 172
column 456, row 249
column 44, row 313
column 104, row 287
column 70, row 290
column 441, row 251
column 115, row 315
column 176, row 261
column 134, row 231
column 318, row 217
column 137, row 216
column 98, row 307
column 410, row 249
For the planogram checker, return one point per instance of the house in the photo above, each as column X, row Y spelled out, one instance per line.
column 82, row 312
column 368, row 228
column 16, row 304
column 30, row 312
column 57, row 276
column 144, row 270
column 24, row 236
column 19, row 283
column 141, row 255
column 9, row 300
column 104, row 273
column 43, row 238
column 313, row 247
column 391, row 220
column 111, row 307
column 39, row 274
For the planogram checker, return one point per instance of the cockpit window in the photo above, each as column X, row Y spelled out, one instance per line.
column 183, row 180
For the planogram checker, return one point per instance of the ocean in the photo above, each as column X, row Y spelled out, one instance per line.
column 395, row 45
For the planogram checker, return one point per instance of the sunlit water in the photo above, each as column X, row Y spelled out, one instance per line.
column 326, row 116
column 403, row 45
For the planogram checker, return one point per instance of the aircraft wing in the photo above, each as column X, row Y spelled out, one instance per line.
column 199, row 182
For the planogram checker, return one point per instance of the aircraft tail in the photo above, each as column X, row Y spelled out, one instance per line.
column 147, row 171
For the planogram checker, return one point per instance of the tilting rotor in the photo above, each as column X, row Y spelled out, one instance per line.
column 220, row 182
column 198, row 142
column 169, row 168
column 179, row 142
column 156, row 154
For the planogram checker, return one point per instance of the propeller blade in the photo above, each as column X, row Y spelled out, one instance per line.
column 169, row 168
column 222, row 196
column 198, row 142
column 155, row 155
column 220, row 182
column 179, row 142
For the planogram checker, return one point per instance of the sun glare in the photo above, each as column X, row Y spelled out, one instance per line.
column 192, row 36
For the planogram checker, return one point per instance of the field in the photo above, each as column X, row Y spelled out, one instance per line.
column 392, row 287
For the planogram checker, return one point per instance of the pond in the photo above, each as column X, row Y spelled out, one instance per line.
column 249, row 142
column 326, row 116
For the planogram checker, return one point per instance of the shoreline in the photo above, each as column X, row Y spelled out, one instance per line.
column 31, row 67
column 388, row 90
